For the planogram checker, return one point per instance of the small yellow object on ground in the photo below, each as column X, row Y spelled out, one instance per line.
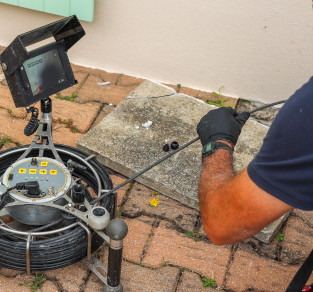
column 154, row 202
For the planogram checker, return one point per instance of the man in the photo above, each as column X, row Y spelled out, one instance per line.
column 235, row 207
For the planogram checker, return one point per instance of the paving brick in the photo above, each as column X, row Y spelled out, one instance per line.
column 121, row 193
column 6, row 102
column 168, row 245
column 15, row 283
column 138, row 204
column 107, row 94
column 136, row 278
column 22, row 282
column 249, row 271
column 253, row 245
column 82, row 115
column 105, row 76
column 70, row 278
column 306, row 216
column 4, row 272
column 49, row 286
column 63, row 135
column 204, row 95
column 106, row 109
column 126, row 80
column 13, row 128
column 298, row 241
column 174, row 86
column 192, row 282
column 138, row 234
column 189, row 91
column 81, row 78
column 93, row 284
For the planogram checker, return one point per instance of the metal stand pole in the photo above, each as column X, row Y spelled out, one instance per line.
column 116, row 230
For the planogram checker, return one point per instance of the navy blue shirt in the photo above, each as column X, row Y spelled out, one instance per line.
column 284, row 165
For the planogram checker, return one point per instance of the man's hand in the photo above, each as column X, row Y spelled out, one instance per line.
column 221, row 124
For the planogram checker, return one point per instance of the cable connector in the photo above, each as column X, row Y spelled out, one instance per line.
column 33, row 123
column 32, row 188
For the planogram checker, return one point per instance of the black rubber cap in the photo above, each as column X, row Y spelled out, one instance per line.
column 166, row 148
column 174, row 145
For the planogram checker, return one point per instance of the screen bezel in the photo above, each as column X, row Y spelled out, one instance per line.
column 27, row 93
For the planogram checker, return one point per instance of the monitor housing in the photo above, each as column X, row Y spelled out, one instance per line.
column 39, row 73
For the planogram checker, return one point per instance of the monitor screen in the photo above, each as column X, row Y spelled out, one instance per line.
column 45, row 72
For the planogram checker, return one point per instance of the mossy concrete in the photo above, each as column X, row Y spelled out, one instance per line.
column 122, row 143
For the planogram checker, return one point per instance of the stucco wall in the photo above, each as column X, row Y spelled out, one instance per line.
column 260, row 50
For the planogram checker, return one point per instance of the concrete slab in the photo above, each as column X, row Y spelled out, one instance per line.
column 123, row 142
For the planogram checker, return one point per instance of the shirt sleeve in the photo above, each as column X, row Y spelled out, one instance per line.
column 284, row 165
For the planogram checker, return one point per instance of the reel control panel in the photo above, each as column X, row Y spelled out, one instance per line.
column 53, row 177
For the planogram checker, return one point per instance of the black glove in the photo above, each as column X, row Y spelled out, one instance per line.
column 221, row 124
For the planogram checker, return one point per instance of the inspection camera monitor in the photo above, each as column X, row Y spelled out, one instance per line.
column 39, row 73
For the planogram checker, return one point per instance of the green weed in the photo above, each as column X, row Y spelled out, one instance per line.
column 208, row 282
column 119, row 212
column 219, row 102
column 68, row 124
column 280, row 236
column 218, row 94
column 5, row 140
column 195, row 235
column 69, row 98
column 39, row 280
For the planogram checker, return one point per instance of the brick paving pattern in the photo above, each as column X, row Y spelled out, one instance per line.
column 166, row 248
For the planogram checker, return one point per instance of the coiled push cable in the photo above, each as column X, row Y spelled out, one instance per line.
column 33, row 123
column 171, row 154
column 67, row 248
column 5, row 197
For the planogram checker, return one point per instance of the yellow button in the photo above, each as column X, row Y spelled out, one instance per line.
column 53, row 171
column 44, row 163
column 22, row 170
column 33, row 171
column 43, row 171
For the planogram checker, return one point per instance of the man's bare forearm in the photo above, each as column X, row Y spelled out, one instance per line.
column 217, row 170
column 232, row 207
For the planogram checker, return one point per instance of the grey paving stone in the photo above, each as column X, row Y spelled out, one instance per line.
column 268, row 232
column 122, row 143
column 151, row 90
column 265, row 116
